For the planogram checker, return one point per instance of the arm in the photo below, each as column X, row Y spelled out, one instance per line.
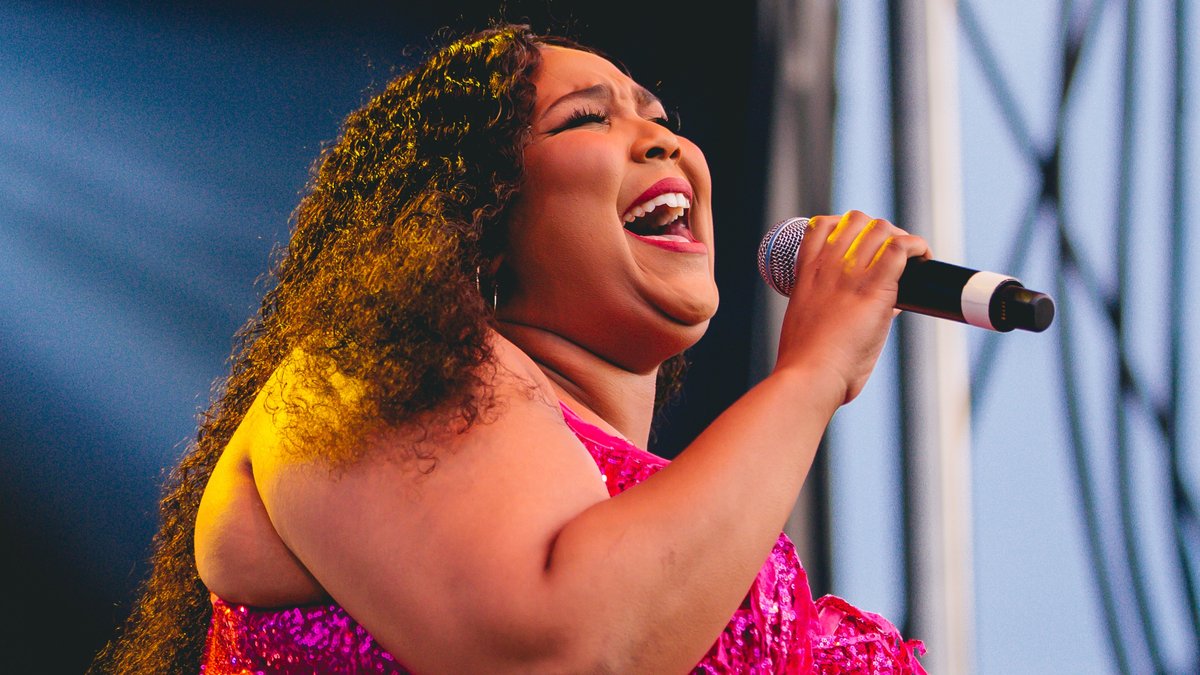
column 509, row 556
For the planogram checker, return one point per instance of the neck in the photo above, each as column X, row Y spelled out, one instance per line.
column 598, row 390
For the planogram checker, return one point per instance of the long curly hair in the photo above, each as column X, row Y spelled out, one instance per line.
column 380, row 283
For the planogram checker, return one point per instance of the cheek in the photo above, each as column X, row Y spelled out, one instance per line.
column 582, row 163
column 564, row 221
column 568, row 196
column 696, row 166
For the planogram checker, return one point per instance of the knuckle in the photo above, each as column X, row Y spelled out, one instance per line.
column 822, row 222
column 914, row 242
column 892, row 248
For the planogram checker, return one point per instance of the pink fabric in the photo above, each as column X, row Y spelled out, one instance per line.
column 778, row 628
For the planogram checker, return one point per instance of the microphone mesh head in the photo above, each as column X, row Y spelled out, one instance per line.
column 777, row 254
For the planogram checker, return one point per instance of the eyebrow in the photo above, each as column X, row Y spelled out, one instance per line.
column 602, row 92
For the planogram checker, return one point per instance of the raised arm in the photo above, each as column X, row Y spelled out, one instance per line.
column 509, row 555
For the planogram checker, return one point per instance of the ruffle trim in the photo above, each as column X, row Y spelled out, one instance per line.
column 852, row 641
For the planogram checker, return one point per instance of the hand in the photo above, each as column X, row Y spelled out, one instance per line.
column 847, row 276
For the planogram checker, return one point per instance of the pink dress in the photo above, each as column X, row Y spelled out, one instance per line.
column 778, row 628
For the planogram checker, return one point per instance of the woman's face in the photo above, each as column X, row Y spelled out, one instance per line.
column 610, row 236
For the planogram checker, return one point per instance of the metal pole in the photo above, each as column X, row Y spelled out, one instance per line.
column 935, row 416
column 799, row 35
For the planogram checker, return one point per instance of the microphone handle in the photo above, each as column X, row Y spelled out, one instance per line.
column 984, row 299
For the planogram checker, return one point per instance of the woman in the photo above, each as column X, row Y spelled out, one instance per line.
column 428, row 450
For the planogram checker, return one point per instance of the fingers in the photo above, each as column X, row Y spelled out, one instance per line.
column 850, row 240
column 857, row 245
column 847, row 280
column 892, row 254
column 857, row 242
column 812, row 246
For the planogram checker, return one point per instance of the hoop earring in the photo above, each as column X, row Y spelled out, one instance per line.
column 495, row 287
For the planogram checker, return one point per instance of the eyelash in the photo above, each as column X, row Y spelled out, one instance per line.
column 671, row 121
column 586, row 116
column 583, row 116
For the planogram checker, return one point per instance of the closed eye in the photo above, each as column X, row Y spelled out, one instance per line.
column 670, row 121
column 581, row 117
column 578, row 118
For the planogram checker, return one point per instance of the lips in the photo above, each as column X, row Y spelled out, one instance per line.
column 659, row 217
column 674, row 244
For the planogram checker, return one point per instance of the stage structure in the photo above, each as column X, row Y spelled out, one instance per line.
column 1115, row 395
column 796, row 46
column 797, row 40
column 935, row 406
column 1123, row 324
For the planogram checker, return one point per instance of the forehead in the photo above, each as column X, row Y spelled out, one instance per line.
column 564, row 70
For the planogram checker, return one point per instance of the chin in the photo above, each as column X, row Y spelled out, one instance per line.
column 641, row 346
column 690, row 324
column 648, row 354
column 699, row 314
column 695, row 310
column 693, row 335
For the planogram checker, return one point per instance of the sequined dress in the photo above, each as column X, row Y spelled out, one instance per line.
column 777, row 629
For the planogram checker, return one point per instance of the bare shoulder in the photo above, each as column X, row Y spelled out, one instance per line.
column 239, row 554
column 514, row 391
column 426, row 557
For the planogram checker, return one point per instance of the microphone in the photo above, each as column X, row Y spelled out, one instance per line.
column 985, row 299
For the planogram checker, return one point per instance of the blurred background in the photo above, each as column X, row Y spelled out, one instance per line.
column 151, row 155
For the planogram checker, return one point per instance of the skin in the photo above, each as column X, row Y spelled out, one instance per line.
column 511, row 545
column 569, row 248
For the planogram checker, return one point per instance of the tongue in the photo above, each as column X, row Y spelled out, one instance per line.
column 677, row 231
column 674, row 231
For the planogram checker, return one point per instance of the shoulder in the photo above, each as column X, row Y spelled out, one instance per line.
column 514, row 368
column 409, row 548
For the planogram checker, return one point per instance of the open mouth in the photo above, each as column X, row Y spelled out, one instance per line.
column 663, row 217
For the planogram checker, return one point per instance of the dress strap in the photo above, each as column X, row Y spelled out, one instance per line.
column 590, row 433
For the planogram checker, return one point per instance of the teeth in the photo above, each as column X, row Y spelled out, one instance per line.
column 669, row 215
column 673, row 199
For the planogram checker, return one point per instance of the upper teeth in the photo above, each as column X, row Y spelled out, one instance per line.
column 673, row 199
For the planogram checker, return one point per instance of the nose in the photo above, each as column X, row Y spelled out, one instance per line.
column 655, row 142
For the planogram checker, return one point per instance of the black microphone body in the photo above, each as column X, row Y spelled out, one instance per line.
column 985, row 299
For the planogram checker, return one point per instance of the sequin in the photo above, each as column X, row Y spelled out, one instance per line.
column 315, row 639
column 777, row 629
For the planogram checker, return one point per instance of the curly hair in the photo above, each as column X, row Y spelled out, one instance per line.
column 380, row 283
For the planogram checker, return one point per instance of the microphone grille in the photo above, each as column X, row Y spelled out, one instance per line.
column 777, row 254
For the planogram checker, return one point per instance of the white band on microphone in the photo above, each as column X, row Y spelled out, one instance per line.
column 977, row 297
